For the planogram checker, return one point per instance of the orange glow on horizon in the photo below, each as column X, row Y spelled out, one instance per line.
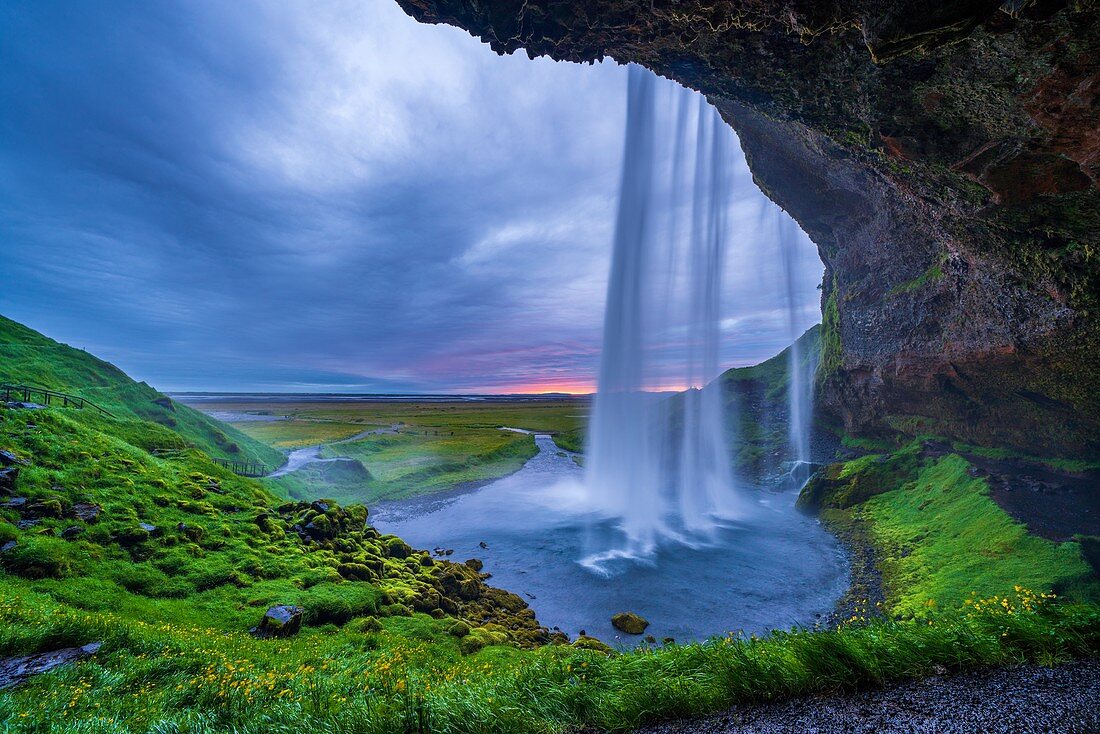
column 569, row 387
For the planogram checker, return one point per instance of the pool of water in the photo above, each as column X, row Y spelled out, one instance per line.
column 774, row 569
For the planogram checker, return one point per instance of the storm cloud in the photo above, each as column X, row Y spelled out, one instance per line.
column 322, row 196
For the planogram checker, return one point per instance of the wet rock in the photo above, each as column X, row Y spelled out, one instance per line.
column 7, row 458
column 483, row 545
column 283, row 620
column 15, row 503
column 26, row 524
column 87, row 512
column 8, row 477
column 629, row 622
column 8, row 546
column 71, row 532
column 476, row 564
column 132, row 536
column 14, row 671
column 45, row 508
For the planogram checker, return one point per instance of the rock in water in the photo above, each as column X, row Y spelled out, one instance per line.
column 280, row 621
column 629, row 622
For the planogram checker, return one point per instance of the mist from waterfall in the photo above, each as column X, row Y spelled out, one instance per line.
column 661, row 464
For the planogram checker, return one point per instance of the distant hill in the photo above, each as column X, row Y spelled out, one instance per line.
column 756, row 402
column 30, row 358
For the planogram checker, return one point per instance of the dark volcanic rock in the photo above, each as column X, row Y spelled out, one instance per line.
column 86, row 511
column 1033, row 699
column 280, row 621
column 14, row 671
column 945, row 159
column 8, row 478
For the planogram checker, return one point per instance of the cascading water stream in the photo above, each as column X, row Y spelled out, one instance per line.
column 801, row 367
column 661, row 465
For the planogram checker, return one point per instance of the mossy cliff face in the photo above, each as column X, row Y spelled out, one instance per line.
column 943, row 156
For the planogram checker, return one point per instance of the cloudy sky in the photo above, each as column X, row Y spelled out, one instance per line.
column 323, row 196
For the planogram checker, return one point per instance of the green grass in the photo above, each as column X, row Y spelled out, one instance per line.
column 943, row 537
column 296, row 434
column 937, row 534
column 27, row 357
column 408, row 674
column 408, row 464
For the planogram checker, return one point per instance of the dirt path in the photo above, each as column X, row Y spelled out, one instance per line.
column 1024, row 700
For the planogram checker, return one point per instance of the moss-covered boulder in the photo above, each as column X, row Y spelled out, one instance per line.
column 629, row 622
column 584, row 642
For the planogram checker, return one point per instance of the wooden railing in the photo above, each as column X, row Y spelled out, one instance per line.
column 42, row 396
column 242, row 468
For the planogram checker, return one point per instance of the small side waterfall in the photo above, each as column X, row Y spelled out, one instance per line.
column 660, row 465
column 801, row 367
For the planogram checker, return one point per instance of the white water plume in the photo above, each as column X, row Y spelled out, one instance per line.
column 660, row 465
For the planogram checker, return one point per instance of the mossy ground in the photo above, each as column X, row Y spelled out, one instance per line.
column 938, row 536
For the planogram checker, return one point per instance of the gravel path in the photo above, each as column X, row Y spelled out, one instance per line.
column 1024, row 700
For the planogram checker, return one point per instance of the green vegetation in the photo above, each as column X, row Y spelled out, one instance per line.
column 931, row 275
column 298, row 433
column 419, row 448
column 168, row 560
column 29, row 358
column 938, row 536
column 410, row 675
column 756, row 397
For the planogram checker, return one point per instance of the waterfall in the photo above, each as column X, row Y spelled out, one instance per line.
column 659, row 465
column 801, row 367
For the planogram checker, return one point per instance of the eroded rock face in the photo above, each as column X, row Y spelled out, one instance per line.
column 944, row 157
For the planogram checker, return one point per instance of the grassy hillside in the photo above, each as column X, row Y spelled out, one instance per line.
column 29, row 358
column 756, row 401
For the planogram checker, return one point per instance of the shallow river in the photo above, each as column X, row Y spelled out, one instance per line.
column 775, row 569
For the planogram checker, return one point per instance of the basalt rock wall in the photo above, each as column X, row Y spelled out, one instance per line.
column 944, row 157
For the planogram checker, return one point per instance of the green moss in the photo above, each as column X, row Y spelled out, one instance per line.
column 831, row 351
column 937, row 534
column 933, row 274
